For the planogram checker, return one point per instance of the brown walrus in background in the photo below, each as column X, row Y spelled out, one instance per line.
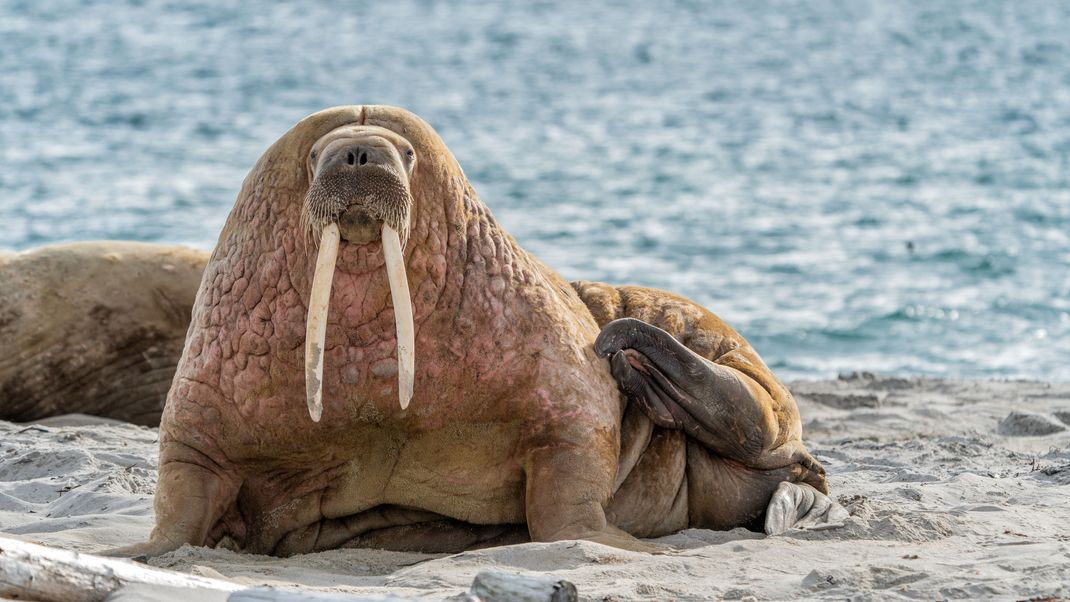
column 516, row 428
column 94, row 328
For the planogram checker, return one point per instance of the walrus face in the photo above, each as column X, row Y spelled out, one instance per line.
column 360, row 181
column 359, row 193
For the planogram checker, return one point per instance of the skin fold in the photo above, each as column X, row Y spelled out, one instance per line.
column 517, row 427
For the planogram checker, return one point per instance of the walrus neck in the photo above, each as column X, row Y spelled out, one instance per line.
column 478, row 246
column 489, row 277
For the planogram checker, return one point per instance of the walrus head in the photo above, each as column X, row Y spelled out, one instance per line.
column 350, row 207
column 359, row 192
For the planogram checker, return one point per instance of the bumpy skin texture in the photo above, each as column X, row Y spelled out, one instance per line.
column 93, row 328
column 515, row 419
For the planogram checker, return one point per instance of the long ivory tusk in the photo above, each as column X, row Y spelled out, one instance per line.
column 316, row 325
column 399, row 293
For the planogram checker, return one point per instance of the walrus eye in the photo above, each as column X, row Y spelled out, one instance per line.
column 410, row 153
column 313, row 155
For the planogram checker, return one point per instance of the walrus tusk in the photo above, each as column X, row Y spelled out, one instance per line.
column 316, row 325
column 399, row 293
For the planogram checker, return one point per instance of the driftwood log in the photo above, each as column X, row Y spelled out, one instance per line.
column 34, row 572
column 492, row 586
column 266, row 594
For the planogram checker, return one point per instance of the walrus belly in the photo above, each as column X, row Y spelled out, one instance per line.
column 396, row 528
column 651, row 498
column 369, row 491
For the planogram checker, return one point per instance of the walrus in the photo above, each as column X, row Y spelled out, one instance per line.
column 319, row 404
column 94, row 328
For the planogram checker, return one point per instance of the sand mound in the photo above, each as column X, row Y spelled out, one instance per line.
column 1024, row 424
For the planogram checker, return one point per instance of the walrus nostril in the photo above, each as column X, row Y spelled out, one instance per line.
column 351, row 158
column 363, row 158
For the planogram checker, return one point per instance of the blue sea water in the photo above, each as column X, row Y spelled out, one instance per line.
column 855, row 185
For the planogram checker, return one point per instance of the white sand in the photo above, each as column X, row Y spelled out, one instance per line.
column 952, row 495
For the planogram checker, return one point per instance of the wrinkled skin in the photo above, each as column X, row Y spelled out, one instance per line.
column 516, row 428
column 93, row 328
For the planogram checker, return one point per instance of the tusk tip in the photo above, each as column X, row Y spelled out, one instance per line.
column 405, row 396
column 315, row 409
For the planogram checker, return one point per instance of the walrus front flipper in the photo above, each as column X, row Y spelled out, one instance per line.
column 719, row 406
column 631, row 371
column 801, row 506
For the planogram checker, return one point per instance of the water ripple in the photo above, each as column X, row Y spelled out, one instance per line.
column 863, row 185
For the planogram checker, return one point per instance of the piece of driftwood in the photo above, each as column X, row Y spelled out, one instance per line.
column 265, row 594
column 32, row 572
column 494, row 586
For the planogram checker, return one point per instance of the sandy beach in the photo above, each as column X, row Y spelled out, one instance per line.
column 956, row 489
column 250, row 208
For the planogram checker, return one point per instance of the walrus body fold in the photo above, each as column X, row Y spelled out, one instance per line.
column 94, row 328
column 517, row 427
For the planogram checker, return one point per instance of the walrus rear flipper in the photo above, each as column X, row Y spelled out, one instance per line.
column 801, row 506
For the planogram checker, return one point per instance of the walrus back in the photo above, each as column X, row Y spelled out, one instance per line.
column 94, row 328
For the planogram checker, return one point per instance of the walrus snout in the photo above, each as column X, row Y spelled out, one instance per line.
column 356, row 155
column 358, row 226
column 358, row 176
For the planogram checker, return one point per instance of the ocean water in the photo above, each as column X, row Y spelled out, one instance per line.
column 855, row 185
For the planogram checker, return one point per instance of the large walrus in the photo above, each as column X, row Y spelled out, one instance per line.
column 93, row 328
column 319, row 404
